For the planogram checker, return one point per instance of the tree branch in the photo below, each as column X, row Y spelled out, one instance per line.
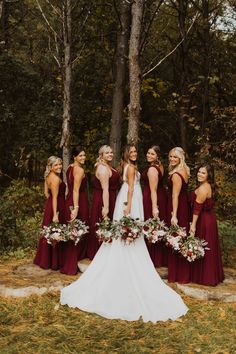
column 174, row 49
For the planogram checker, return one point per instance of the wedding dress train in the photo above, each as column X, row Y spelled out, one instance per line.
column 121, row 281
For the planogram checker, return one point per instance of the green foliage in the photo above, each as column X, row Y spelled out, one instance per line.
column 20, row 216
column 227, row 233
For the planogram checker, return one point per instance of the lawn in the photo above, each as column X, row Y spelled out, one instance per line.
column 38, row 324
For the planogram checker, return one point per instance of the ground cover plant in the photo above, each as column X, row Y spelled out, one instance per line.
column 38, row 324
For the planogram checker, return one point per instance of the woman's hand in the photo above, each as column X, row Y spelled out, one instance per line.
column 192, row 230
column 155, row 212
column 56, row 218
column 105, row 212
column 174, row 220
column 74, row 213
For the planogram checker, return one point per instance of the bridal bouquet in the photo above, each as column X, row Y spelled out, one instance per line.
column 154, row 230
column 105, row 231
column 75, row 230
column 127, row 229
column 175, row 236
column 53, row 233
column 193, row 248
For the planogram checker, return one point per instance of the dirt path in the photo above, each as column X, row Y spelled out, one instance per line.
column 22, row 278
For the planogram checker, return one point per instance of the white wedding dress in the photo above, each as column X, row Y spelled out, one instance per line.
column 121, row 281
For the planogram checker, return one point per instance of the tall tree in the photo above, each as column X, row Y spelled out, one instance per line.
column 135, row 72
column 120, row 78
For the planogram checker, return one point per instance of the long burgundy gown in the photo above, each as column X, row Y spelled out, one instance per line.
column 179, row 269
column 73, row 253
column 49, row 256
column 158, row 251
column 96, row 210
column 207, row 270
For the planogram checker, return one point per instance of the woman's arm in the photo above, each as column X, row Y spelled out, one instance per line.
column 177, row 184
column 78, row 177
column 202, row 193
column 54, row 184
column 46, row 193
column 103, row 174
column 153, row 184
column 130, row 180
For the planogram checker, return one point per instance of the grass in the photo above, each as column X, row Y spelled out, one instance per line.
column 38, row 324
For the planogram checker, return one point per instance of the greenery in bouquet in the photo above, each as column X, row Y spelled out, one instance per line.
column 193, row 248
column 127, row 229
column 75, row 231
column 175, row 236
column 154, row 230
column 54, row 233
column 104, row 231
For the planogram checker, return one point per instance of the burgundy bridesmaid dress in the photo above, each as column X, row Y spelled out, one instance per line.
column 49, row 256
column 73, row 253
column 96, row 211
column 179, row 269
column 207, row 270
column 158, row 251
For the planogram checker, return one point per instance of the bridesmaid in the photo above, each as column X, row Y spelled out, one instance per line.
column 76, row 207
column 207, row 270
column 105, row 187
column 49, row 256
column 178, row 211
column 155, row 200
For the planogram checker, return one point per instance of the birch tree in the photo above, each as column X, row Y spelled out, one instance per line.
column 135, row 72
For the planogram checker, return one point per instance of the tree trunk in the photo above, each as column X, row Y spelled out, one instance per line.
column 183, row 74
column 206, row 62
column 120, row 81
column 65, row 139
column 134, row 73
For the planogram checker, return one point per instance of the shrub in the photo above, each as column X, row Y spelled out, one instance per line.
column 20, row 215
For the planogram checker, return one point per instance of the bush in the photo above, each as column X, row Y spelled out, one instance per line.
column 20, row 216
column 227, row 233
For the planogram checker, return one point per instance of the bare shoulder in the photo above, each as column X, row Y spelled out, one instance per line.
column 78, row 170
column 102, row 170
column 152, row 171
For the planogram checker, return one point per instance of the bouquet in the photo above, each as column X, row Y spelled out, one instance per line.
column 105, row 231
column 175, row 236
column 154, row 230
column 53, row 233
column 193, row 248
column 127, row 229
column 75, row 231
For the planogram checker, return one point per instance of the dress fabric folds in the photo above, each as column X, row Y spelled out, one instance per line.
column 121, row 281
column 209, row 269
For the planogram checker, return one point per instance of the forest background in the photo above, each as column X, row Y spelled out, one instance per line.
column 107, row 72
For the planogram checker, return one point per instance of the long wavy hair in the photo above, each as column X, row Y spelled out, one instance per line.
column 157, row 150
column 210, row 176
column 180, row 153
column 101, row 151
column 125, row 158
column 50, row 162
column 76, row 150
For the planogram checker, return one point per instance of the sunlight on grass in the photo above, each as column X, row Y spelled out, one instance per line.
column 38, row 325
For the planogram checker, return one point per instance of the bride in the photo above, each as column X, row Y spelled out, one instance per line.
column 121, row 281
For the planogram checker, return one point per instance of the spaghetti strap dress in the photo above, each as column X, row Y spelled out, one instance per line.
column 179, row 269
column 73, row 253
column 49, row 256
column 158, row 251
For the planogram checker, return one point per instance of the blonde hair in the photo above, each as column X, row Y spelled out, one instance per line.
column 101, row 151
column 180, row 153
column 51, row 161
